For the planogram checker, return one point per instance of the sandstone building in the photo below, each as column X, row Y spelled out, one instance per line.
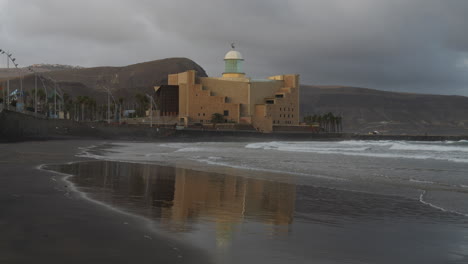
column 266, row 105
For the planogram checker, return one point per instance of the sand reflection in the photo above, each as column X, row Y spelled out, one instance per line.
column 179, row 198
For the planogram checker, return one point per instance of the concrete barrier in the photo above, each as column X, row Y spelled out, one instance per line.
column 16, row 126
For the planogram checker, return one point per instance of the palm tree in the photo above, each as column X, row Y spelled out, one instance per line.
column 217, row 118
column 143, row 102
column 121, row 101
column 41, row 96
column 82, row 101
column 67, row 105
column 339, row 120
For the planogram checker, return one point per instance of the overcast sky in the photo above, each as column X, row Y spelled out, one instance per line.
column 401, row 45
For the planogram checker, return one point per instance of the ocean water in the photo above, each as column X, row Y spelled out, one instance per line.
column 292, row 202
column 419, row 170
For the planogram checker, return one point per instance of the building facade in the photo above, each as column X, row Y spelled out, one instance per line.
column 263, row 104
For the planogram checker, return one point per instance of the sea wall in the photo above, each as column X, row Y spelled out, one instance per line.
column 16, row 126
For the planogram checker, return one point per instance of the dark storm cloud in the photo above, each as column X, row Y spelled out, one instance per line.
column 415, row 46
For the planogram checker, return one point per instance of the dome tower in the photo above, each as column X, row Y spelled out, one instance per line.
column 233, row 64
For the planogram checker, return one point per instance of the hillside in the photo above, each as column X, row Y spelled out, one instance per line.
column 14, row 73
column 365, row 110
column 122, row 81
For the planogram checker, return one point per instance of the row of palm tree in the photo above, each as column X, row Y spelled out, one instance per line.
column 85, row 108
column 327, row 122
column 81, row 108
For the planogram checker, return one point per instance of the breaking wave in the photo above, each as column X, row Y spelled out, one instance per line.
column 454, row 151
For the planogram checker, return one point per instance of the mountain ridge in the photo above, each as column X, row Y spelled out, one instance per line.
column 363, row 109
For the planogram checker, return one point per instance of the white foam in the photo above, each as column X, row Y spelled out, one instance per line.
column 422, row 181
column 216, row 161
column 193, row 149
column 428, row 147
column 379, row 149
column 421, row 199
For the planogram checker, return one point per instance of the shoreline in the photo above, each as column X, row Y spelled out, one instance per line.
column 66, row 224
column 44, row 220
column 323, row 197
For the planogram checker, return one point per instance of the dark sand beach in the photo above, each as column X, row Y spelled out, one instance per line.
column 41, row 221
column 161, row 206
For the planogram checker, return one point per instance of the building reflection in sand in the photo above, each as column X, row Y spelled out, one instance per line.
column 180, row 198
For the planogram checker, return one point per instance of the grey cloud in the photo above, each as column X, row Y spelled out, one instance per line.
column 100, row 21
column 415, row 46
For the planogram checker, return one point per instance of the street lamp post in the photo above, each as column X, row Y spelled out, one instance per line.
column 109, row 96
column 8, row 79
column 9, row 57
column 8, row 83
column 35, row 94
column 151, row 108
column 35, row 90
column 55, row 100
column 56, row 90
column 108, row 107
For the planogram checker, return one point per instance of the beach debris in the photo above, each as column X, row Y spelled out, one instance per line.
column 148, row 237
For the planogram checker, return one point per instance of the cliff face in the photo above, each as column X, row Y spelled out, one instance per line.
column 365, row 110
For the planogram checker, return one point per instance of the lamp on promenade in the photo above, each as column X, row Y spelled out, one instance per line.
column 8, row 80
column 151, row 109
column 35, row 90
column 13, row 60
column 56, row 92
column 110, row 95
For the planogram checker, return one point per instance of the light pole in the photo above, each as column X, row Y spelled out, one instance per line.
column 56, row 90
column 151, row 108
column 35, row 90
column 108, row 107
column 109, row 95
column 10, row 57
column 8, row 79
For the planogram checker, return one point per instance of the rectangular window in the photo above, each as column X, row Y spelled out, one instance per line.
column 270, row 101
column 278, row 95
column 226, row 112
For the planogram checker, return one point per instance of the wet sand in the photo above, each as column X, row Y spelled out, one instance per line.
column 246, row 220
column 41, row 221
column 147, row 213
